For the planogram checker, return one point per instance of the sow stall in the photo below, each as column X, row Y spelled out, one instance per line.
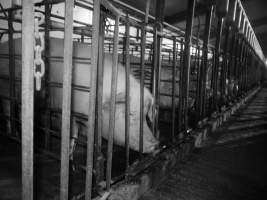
column 188, row 77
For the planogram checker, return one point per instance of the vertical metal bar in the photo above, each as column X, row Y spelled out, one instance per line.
column 180, row 112
column 215, row 71
column 142, row 78
column 12, row 79
column 66, row 101
column 225, row 60
column 198, row 67
column 157, row 40
column 147, row 11
column 243, row 67
column 154, row 84
column 112, row 102
column 203, row 66
column 99, row 161
column 27, row 98
column 237, row 43
column 173, row 86
column 92, row 101
column 237, row 57
column 188, row 38
column 143, row 48
column 47, row 69
column 231, row 55
column 127, row 87
column 246, row 67
column 242, row 55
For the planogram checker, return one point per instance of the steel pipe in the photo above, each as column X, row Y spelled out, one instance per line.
column 92, row 101
column 127, row 86
column 215, row 71
column 112, row 103
column 27, row 98
column 66, row 101
column 187, row 58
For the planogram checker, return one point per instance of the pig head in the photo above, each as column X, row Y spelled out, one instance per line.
column 149, row 141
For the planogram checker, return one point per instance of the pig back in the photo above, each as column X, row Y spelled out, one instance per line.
column 80, row 77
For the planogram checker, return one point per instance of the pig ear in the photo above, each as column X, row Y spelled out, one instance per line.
column 120, row 98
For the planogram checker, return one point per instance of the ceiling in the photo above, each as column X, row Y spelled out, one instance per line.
column 176, row 10
column 257, row 14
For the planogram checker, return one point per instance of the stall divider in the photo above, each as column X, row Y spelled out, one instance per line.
column 66, row 101
column 92, row 101
column 27, row 98
column 112, row 103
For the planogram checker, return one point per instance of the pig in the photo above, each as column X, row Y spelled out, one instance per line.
column 81, row 77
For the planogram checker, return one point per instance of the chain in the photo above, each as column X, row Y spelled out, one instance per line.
column 38, row 48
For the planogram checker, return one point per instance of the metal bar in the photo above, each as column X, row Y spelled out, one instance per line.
column 188, row 39
column 147, row 11
column 2, row 10
column 198, row 65
column 237, row 42
column 215, row 74
column 47, row 63
column 12, row 80
column 231, row 54
column 180, row 111
column 110, row 7
column 66, row 101
column 127, row 87
column 92, row 101
column 173, row 87
column 225, row 60
column 112, row 113
column 158, row 27
column 143, row 43
column 240, row 63
column 100, row 72
column 27, row 98
column 154, row 85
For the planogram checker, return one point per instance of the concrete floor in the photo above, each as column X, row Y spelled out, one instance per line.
column 232, row 166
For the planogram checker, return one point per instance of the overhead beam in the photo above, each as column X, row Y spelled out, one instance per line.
column 181, row 16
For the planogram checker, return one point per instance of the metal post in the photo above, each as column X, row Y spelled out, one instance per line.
column 157, row 40
column 27, row 98
column 142, row 78
column 173, row 86
column 12, row 78
column 201, row 99
column 127, row 87
column 143, row 48
column 180, row 111
column 92, row 101
column 198, row 76
column 237, row 44
column 100, row 72
column 47, row 69
column 225, row 60
column 112, row 103
column 186, row 80
column 215, row 71
column 66, row 101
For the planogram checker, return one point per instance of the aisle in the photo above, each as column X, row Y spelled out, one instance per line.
column 232, row 166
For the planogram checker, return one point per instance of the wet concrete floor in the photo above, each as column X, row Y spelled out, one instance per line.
column 233, row 165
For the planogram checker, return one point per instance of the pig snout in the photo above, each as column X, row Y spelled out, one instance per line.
column 150, row 142
column 150, row 145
